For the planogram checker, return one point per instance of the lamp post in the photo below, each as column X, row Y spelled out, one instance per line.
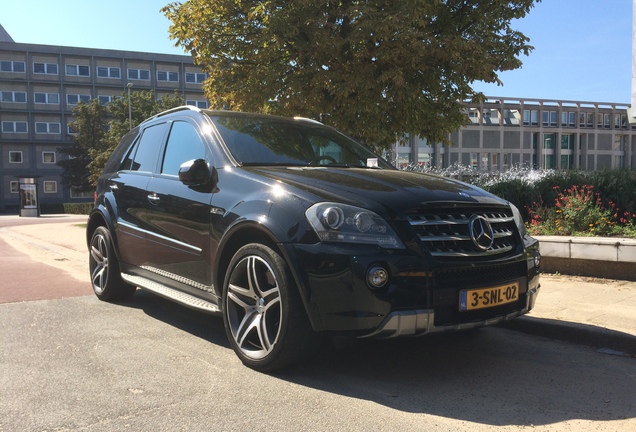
column 128, row 86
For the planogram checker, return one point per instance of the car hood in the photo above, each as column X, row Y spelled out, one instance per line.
column 388, row 192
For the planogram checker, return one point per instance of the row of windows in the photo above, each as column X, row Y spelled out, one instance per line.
column 23, row 127
column 102, row 72
column 48, row 186
column 71, row 99
column 48, row 157
column 568, row 119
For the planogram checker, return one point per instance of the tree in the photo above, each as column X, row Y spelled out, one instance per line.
column 90, row 128
column 376, row 69
column 99, row 128
column 143, row 105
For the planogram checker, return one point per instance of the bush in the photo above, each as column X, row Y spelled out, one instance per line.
column 78, row 208
column 606, row 202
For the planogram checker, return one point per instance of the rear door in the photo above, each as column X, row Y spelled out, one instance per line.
column 129, row 188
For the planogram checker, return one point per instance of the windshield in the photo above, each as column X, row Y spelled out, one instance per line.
column 262, row 140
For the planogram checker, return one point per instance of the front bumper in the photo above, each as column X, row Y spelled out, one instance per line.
column 420, row 322
column 422, row 295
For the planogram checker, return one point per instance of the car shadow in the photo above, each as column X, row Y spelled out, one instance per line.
column 197, row 323
column 494, row 376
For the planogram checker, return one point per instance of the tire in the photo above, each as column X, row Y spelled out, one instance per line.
column 264, row 317
column 104, row 269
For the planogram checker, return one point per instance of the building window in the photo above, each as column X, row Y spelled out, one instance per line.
column 15, row 187
column 105, row 99
column 47, row 128
column 194, row 78
column 14, row 127
column 70, row 130
column 14, row 97
column 531, row 117
column 548, row 141
column 15, row 157
column 46, row 98
column 12, row 66
column 74, row 99
column 76, row 193
column 108, row 72
column 567, row 142
column 567, row 161
column 48, row 157
column 167, row 76
column 549, row 118
column 50, row 186
column 474, row 160
column 198, row 104
column 568, row 119
column 139, row 74
column 78, row 70
column 45, row 68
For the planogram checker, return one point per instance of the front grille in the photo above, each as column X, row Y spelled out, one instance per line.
column 446, row 235
column 472, row 277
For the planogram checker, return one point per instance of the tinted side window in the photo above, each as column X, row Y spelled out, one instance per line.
column 184, row 144
column 143, row 156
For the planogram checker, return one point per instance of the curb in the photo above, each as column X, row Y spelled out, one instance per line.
column 603, row 339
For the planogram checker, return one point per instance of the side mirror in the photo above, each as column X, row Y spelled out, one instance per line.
column 195, row 172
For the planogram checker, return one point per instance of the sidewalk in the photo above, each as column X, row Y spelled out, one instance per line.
column 590, row 311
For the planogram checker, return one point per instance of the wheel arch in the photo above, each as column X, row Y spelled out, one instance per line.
column 246, row 232
column 101, row 216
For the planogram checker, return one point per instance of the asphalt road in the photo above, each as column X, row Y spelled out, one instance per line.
column 150, row 365
column 71, row 362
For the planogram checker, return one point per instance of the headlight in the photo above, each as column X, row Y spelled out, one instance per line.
column 343, row 223
column 518, row 220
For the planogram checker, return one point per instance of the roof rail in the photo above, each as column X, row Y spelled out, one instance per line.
column 172, row 110
column 307, row 119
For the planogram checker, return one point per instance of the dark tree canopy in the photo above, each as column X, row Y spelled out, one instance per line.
column 376, row 69
column 90, row 128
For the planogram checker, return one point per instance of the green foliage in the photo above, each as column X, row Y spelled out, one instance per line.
column 78, row 208
column 376, row 69
column 143, row 105
column 99, row 128
column 552, row 203
column 90, row 127
column 517, row 191
column 579, row 211
column 616, row 187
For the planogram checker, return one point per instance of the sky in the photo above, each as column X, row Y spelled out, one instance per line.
column 582, row 48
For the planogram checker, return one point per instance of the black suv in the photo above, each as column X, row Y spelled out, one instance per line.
column 290, row 229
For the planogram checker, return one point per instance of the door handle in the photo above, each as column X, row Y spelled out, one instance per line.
column 154, row 199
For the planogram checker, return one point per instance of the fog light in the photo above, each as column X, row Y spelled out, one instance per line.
column 537, row 258
column 377, row 277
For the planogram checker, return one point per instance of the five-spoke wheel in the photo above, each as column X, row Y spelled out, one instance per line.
column 264, row 316
column 104, row 268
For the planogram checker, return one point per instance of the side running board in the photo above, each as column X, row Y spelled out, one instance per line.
column 171, row 294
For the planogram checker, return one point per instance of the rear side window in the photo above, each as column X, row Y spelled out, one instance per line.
column 184, row 144
column 143, row 156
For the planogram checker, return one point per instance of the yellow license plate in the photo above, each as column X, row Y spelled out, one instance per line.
column 488, row 297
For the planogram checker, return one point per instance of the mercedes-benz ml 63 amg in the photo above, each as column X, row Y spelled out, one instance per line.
column 290, row 229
